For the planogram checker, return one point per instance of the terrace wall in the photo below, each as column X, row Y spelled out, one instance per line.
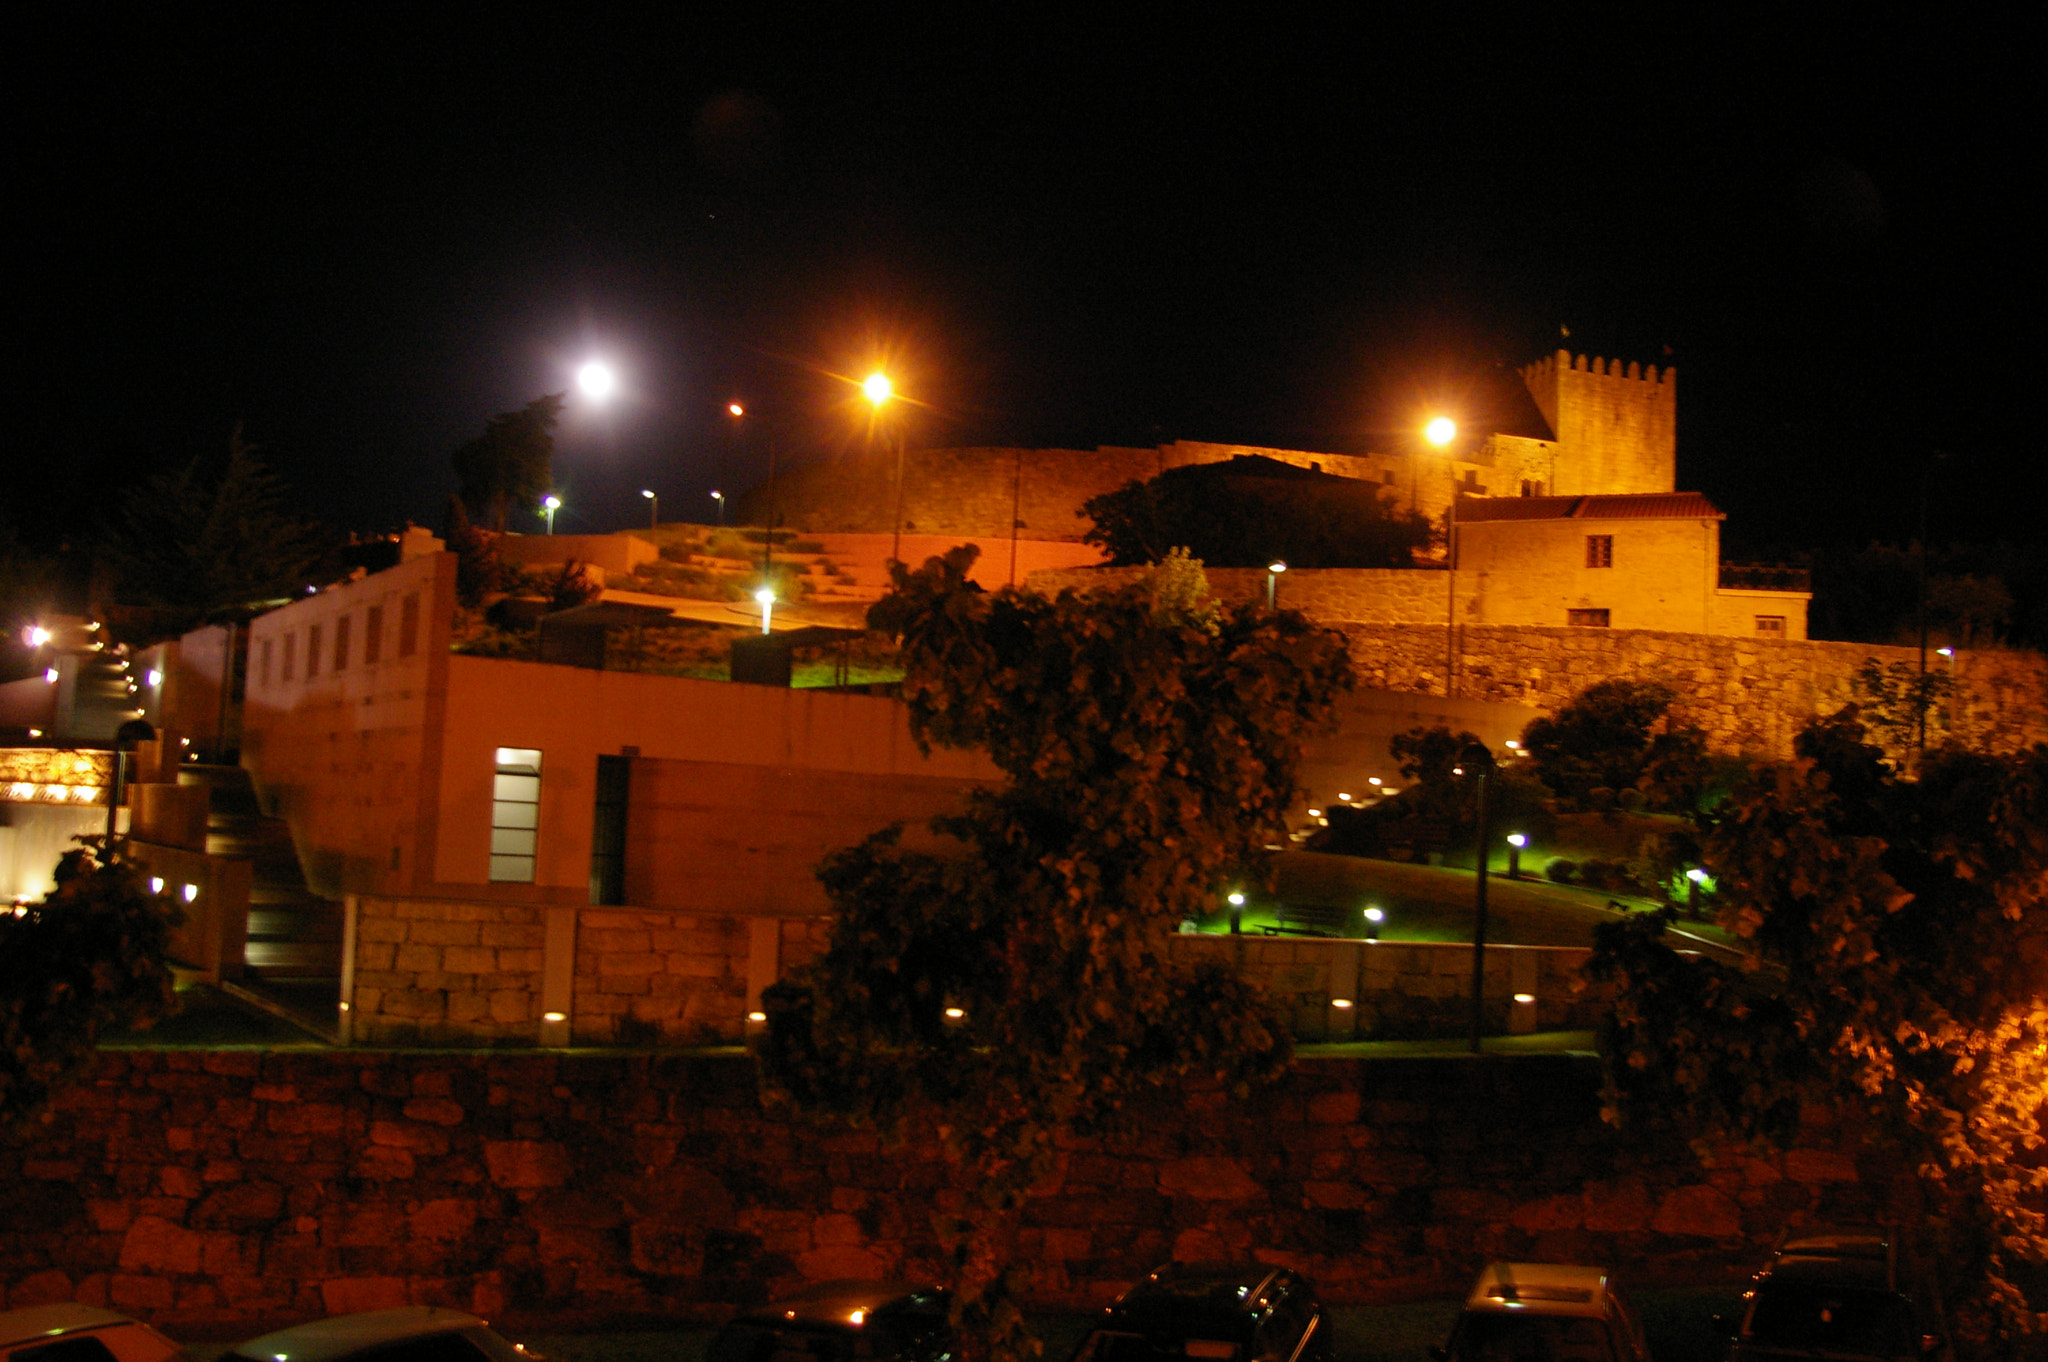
column 221, row 1194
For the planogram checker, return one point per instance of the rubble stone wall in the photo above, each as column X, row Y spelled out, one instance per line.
column 218, row 1194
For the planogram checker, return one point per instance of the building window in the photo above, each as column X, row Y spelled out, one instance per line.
column 608, row 831
column 291, row 657
column 515, row 815
column 1586, row 619
column 1771, row 626
column 341, row 632
column 312, row 651
column 1531, row 489
column 409, row 625
column 1599, row 550
column 373, row 635
column 263, row 665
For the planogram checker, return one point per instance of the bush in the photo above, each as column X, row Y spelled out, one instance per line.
column 1561, row 870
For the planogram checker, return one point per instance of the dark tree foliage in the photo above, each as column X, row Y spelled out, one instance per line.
column 1150, row 754
column 194, row 543
column 1249, row 511
column 90, row 957
column 1899, row 939
column 510, row 466
column 1978, row 595
column 1610, row 736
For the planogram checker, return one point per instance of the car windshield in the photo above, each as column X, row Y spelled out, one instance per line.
column 1109, row 1345
column 1823, row 1320
column 1483, row 1336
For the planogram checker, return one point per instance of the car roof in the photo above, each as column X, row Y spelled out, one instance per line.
column 47, row 1321
column 837, row 1302
column 1221, row 1296
column 337, row 1337
column 1861, row 1273
column 1540, row 1288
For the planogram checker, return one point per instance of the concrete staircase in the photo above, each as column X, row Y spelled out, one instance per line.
column 292, row 963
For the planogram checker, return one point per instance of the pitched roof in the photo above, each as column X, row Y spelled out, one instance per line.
column 1632, row 506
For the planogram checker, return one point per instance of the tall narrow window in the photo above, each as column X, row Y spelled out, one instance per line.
column 1771, row 626
column 373, row 635
column 312, row 651
column 263, row 665
column 291, row 657
column 1599, row 550
column 409, row 625
column 608, row 831
column 1586, row 619
column 515, row 815
column 341, row 632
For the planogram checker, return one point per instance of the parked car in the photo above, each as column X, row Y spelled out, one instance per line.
column 1545, row 1312
column 842, row 1322
column 1838, row 1294
column 411, row 1333
column 1212, row 1312
column 80, row 1333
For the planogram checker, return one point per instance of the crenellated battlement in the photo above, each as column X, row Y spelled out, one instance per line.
column 1616, row 422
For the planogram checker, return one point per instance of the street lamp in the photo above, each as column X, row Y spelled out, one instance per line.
column 548, row 509
column 1236, row 901
column 1476, row 760
column 766, row 596
column 1273, row 571
column 1440, row 431
column 1516, row 841
column 719, row 497
column 596, row 380
column 653, row 508
column 878, row 390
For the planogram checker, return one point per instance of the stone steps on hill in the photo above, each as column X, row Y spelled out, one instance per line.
column 294, row 934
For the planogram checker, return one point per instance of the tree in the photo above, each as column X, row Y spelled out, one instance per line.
column 509, row 466
column 89, row 957
column 1003, row 976
column 189, row 542
column 1898, row 933
column 1250, row 510
column 1609, row 736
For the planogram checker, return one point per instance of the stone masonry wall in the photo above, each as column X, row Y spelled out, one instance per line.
column 646, row 975
column 221, row 1194
column 434, row 970
column 1749, row 694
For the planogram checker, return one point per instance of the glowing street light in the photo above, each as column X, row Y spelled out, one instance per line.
column 1236, row 901
column 1273, row 571
column 1516, row 841
column 596, row 380
column 719, row 497
column 878, row 388
column 37, row 635
column 548, row 508
column 653, row 508
column 1440, row 431
column 766, row 596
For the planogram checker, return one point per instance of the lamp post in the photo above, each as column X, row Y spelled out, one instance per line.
column 734, row 413
column 766, row 596
column 719, row 497
column 548, row 508
column 1476, row 761
column 653, row 508
column 1516, row 841
column 1440, row 432
column 878, row 390
column 1273, row 571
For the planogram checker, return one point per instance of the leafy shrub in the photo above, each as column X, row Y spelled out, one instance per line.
column 1561, row 870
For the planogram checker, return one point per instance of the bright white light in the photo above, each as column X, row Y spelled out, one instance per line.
column 50, row 675
column 1276, row 567
column 1343, row 799
column 766, row 596
column 191, row 892
column 156, row 678
column 757, row 1016
column 1372, row 780
column 878, row 388
column 1236, row 900
column 1340, row 1002
column 554, row 1016
column 37, row 635
column 596, row 380
column 955, row 1013
column 1512, row 745
column 1516, row 839
column 552, row 504
column 1525, row 998
column 1375, row 915
column 1441, row 431
column 156, row 884
column 1696, row 875
column 736, row 409
column 645, row 493
column 1946, row 652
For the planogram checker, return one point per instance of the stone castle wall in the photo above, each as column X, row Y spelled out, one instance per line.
column 1617, row 427
column 1750, row 695
column 221, row 1194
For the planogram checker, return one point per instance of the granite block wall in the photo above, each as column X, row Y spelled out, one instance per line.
column 220, row 1194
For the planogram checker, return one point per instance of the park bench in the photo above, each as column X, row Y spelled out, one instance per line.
column 1313, row 919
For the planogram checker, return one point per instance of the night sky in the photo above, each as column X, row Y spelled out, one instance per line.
column 361, row 241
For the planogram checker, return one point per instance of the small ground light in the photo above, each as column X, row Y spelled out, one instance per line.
column 1340, row 1002
column 1315, row 813
column 554, row 1016
column 35, row 732
column 1525, row 998
column 1343, row 799
column 50, row 675
column 156, row 678
column 1512, row 745
column 191, row 892
column 757, row 1016
column 955, row 1013
column 1696, row 875
column 156, row 884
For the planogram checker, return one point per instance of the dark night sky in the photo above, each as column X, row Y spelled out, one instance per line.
column 361, row 241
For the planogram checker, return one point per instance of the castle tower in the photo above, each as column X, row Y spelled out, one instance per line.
column 1617, row 430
